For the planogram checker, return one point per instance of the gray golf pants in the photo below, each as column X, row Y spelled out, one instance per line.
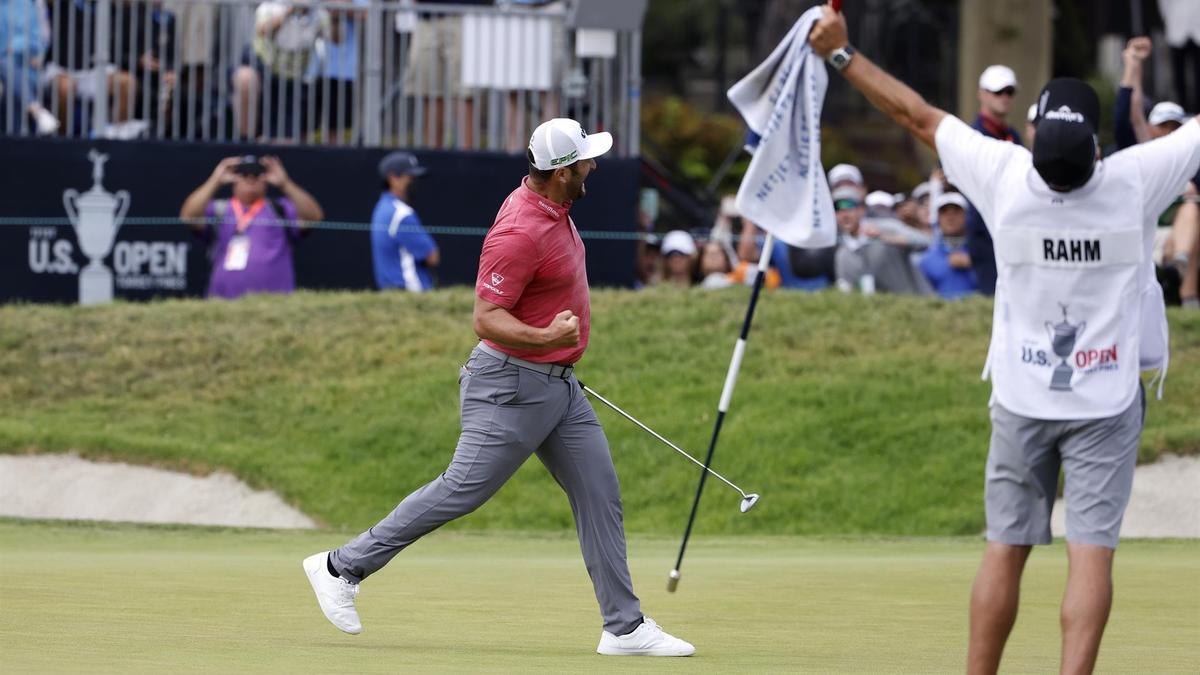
column 508, row 413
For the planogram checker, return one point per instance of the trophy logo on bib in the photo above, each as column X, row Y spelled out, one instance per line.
column 1062, row 341
column 96, row 215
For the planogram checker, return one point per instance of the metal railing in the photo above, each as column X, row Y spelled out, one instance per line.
column 334, row 72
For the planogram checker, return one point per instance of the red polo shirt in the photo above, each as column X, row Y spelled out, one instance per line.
column 533, row 265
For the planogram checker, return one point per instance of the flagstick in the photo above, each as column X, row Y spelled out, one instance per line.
column 735, row 364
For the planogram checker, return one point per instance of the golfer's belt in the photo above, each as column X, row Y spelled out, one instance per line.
column 552, row 369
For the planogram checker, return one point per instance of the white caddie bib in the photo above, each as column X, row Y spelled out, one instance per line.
column 1070, row 346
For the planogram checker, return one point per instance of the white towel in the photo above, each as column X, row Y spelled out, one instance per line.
column 784, row 190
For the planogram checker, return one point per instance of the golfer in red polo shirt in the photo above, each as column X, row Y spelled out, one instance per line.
column 519, row 397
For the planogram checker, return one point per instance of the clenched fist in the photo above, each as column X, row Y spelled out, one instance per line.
column 563, row 331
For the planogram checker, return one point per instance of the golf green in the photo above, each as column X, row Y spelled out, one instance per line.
column 107, row 598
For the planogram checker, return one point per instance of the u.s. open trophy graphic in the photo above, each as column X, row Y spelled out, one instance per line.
column 96, row 215
column 1062, row 341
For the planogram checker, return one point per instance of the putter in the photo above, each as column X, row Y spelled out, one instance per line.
column 749, row 499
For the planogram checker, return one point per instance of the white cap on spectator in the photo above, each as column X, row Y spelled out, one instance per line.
column 562, row 142
column 996, row 78
column 847, row 192
column 951, row 199
column 1166, row 112
column 881, row 199
column 1032, row 114
column 845, row 173
column 921, row 190
column 900, row 197
column 678, row 241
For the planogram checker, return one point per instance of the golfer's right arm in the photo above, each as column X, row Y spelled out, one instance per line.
column 493, row 322
column 885, row 92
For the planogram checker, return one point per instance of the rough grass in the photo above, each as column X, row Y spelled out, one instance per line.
column 129, row 599
column 852, row 414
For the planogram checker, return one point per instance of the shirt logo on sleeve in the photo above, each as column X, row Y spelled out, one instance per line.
column 497, row 279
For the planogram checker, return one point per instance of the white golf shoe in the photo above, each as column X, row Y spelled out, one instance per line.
column 648, row 640
column 335, row 595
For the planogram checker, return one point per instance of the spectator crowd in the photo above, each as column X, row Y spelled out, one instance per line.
column 929, row 240
column 295, row 70
column 244, row 70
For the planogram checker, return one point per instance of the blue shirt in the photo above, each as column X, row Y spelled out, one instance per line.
column 979, row 240
column 399, row 246
column 949, row 282
column 20, row 29
column 340, row 61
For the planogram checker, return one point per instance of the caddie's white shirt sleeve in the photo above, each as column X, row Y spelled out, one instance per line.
column 1166, row 165
column 973, row 162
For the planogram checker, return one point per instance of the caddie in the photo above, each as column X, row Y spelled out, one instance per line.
column 1071, row 234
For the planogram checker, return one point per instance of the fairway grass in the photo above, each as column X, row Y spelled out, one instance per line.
column 109, row 598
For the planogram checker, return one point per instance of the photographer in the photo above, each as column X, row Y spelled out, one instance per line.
column 251, row 235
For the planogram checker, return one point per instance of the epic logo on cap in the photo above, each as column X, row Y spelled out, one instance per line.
column 561, row 142
column 1065, row 114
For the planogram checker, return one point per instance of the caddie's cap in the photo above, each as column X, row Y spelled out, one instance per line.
column 1064, row 150
column 562, row 142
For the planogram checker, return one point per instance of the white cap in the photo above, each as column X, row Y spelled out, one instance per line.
column 881, row 199
column 845, row 172
column 951, row 199
column 562, row 142
column 921, row 190
column 847, row 192
column 995, row 78
column 1032, row 114
column 1166, row 112
column 678, row 241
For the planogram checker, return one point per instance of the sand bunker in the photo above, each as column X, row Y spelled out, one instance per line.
column 1165, row 501
column 66, row 486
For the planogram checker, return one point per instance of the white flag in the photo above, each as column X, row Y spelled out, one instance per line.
column 784, row 190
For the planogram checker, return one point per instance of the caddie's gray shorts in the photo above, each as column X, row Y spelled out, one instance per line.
column 1097, row 459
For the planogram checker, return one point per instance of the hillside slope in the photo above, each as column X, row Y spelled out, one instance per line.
column 852, row 414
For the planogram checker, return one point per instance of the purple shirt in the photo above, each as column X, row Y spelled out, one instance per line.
column 268, row 267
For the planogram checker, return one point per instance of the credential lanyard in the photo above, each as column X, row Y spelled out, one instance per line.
column 243, row 216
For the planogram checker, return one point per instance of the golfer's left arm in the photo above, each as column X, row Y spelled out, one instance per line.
column 885, row 92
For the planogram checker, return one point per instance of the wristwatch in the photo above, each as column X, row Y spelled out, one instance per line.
column 840, row 58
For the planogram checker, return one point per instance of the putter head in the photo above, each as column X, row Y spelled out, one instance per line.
column 749, row 502
column 672, row 581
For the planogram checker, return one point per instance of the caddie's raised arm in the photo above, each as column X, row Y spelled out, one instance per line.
column 829, row 39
